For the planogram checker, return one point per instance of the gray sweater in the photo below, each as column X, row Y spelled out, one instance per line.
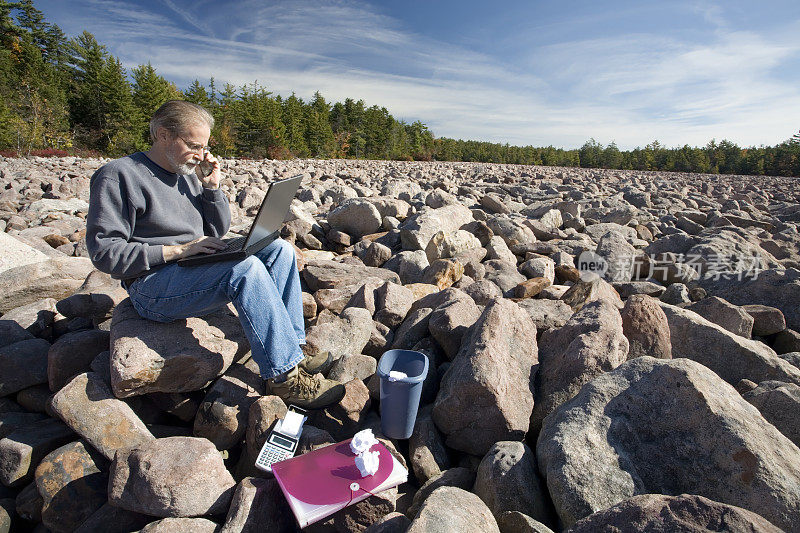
column 136, row 207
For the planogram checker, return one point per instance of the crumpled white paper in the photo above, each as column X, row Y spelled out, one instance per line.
column 362, row 441
column 367, row 463
column 396, row 375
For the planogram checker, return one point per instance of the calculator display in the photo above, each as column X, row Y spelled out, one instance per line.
column 280, row 440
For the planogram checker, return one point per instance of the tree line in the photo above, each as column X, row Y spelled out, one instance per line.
column 70, row 95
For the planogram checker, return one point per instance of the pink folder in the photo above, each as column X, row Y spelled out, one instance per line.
column 323, row 481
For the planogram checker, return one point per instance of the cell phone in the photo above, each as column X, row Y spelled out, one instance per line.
column 206, row 168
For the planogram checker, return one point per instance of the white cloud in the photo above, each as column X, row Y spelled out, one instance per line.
column 631, row 88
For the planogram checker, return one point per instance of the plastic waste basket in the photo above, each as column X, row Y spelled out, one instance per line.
column 402, row 373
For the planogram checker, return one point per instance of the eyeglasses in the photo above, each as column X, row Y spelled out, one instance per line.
column 193, row 147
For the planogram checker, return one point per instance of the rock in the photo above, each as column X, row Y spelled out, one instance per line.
column 390, row 523
column 346, row 334
column 413, row 329
column 726, row 251
column 504, row 274
column 10, row 422
column 96, row 298
column 629, row 288
column 258, row 505
column 184, row 406
column 343, row 420
column 445, row 245
column 426, row 449
column 596, row 231
column 24, row 365
column 516, row 522
column 530, row 288
column 443, row 273
column 619, row 256
column 28, row 504
column 36, row 317
column 356, row 217
column 180, row 525
column 377, row 254
column 326, row 274
column 54, row 278
column 222, row 416
column 449, row 509
column 87, row 405
column 179, row 356
column 73, row 354
column 732, row 357
column 584, row 292
column 492, row 374
column 646, row 328
column 786, row 341
column 353, row 367
column 547, row 313
column 110, row 519
column 12, row 332
column 766, row 320
column 161, row 478
column 778, row 402
column 660, row 513
column 450, row 322
column 72, row 484
column 497, row 249
column 493, row 203
column 676, row 294
column 512, row 232
column 263, row 414
column 392, row 302
column 539, row 267
column 16, row 253
column 483, row 291
column 359, row 516
column 418, row 230
column 22, row 449
column 507, row 481
column 590, row 343
column 409, row 265
column 654, row 426
column 772, row 287
column 729, row 316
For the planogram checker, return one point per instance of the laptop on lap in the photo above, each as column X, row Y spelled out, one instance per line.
column 265, row 228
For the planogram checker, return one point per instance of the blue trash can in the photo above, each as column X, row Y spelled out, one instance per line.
column 400, row 395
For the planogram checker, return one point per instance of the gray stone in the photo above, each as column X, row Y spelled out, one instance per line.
column 590, row 343
column 676, row 294
column 504, row 274
column 72, row 354
column 779, row 403
column 392, row 302
column 732, row 357
column 344, row 419
column 96, row 298
column 483, row 291
column 222, row 415
column 725, row 314
column 444, row 245
column 87, row 405
column 24, row 364
column 377, row 254
column 630, row 288
column 766, row 320
column 450, row 322
column 54, row 278
column 786, row 341
column 512, row 232
column 497, row 249
column 390, row 523
column 73, row 485
column 409, row 265
column 356, row 217
column 413, row 329
column 507, row 481
column 492, row 373
column 516, row 522
column 180, row 525
column 584, row 292
column 427, row 452
column 418, row 230
column 327, row 274
column 353, row 367
column 619, row 256
column 111, row 519
column 547, row 314
column 346, row 334
column 258, row 505
column 21, row 450
column 646, row 328
column 449, row 509
column 161, row 478
column 539, row 267
column 658, row 513
column 36, row 317
column 178, row 356
column 17, row 253
column 666, row 426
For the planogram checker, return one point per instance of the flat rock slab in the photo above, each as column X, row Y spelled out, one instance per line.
column 73, row 485
column 171, row 477
column 180, row 525
column 732, row 357
column 666, row 426
column 686, row 513
column 21, row 450
column 16, row 253
column 57, row 278
column 24, row 365
column 326, row 274
column 180, row 356
column 87, row 405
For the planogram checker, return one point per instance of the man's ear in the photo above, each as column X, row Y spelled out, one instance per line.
column 163, row 134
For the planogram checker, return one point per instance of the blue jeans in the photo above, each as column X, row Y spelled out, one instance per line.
column 264, row 289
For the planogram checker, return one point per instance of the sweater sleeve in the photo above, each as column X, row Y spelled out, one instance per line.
column 216, row 212
column 109, row 226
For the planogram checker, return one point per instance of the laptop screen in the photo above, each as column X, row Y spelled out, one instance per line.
column 273, row 209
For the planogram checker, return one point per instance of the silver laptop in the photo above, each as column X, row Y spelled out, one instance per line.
column 264, row 230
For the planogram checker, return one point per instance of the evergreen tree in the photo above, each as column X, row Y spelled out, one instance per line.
column 120, row 116
column 197, row 94
column 319, row 135
column 293, row 120
column 150, row 91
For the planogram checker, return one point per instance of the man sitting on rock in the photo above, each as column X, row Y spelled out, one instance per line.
column 148, row 209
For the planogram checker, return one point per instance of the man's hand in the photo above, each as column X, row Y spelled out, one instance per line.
column 210, row 180
column 203, row 245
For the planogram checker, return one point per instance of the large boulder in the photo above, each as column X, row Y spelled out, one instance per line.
column 418, row 230
column 779, row 403
column 258, row 505
column 732, row 357
column 346, row 334
column 590, row 343
column 646, row 328
column 328, row 274
column 356, row 217
column 24, row 365
column 449, row 509
column 95, row 298
column 486, row 394
column 658, row 513
column 16, row 253
column 57, row 277
column 180, row 356
column 725, row 314
column 666, row 426
column 171, row 477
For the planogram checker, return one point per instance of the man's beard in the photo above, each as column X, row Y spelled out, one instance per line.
column 183, row 168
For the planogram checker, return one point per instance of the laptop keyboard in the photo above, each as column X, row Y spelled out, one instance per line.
column 233, row 244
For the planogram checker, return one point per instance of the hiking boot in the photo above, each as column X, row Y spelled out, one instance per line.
column 315, row 362
column 306, row 390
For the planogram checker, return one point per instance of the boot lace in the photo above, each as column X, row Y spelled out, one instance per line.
column 304, row 384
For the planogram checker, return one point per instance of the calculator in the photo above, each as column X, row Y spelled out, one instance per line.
column 282, row 440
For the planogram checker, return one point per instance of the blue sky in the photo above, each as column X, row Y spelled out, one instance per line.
column 522, row 72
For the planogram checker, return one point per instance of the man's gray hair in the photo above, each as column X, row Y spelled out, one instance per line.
column 177, row 116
